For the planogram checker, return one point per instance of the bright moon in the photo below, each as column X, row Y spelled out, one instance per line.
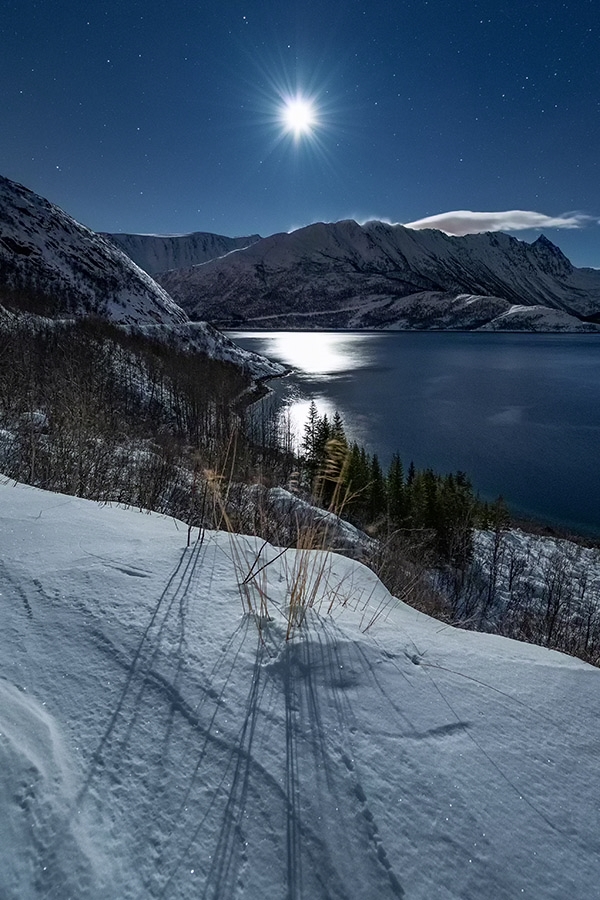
column 299, row 116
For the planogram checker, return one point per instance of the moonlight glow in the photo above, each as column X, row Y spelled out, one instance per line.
column 298, row 116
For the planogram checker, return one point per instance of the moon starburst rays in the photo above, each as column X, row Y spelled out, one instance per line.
column 298, row 116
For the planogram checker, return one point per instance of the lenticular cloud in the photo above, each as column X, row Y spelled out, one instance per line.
column 464, row 221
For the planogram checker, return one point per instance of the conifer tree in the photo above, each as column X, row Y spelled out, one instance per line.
column 322, row 436
column 337, row 428
column 357, row 479
column 499, row 515
column 396, row 491
column 455, row 517
column 310, row 432
column 309, row 446
column 377, row 493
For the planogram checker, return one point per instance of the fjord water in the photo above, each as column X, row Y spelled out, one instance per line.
column 519, row 413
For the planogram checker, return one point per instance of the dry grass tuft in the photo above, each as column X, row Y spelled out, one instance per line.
column 306, row 556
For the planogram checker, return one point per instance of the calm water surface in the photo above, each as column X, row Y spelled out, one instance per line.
column 519, row 413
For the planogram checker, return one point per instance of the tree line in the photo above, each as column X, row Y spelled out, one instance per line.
column 454, row 551
column 442, row 510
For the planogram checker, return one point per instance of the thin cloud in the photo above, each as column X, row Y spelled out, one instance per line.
column 464, row 221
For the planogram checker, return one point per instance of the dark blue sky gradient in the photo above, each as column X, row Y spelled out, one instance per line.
column 162, row 117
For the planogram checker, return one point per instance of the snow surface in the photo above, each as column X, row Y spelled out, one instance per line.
column 537, row 318
column 154, row 744
column 530, row 564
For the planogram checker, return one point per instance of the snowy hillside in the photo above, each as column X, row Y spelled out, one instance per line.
column 70, row 269
column 154, row 744
column 537, row 318
column 203, row 338
column 378, row 276
column 158, row 252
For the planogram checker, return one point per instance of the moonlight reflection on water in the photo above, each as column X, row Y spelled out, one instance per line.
column 316, row 358
column 323, row 353
column 518, row 413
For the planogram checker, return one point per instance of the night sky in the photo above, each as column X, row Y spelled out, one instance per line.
column 167, row 117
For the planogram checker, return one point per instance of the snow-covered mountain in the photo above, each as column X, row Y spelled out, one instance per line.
column 340, row 275
column 69, row 269
column 158, row 740
column 388, row 276
column 158, row 253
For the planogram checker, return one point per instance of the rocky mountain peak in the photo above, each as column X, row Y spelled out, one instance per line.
column 159, row 253
column 546, row 250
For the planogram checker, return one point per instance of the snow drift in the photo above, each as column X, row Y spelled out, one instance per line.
column 155, row 742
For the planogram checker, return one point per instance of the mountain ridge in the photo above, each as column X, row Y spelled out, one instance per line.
column 160, row 252
column 339, row 275
column 349, row 269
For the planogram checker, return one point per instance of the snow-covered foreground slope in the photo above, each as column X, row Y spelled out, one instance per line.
column 153, row 745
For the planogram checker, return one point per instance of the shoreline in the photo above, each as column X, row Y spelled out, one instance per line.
column 523, row 515
column 556, row 530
